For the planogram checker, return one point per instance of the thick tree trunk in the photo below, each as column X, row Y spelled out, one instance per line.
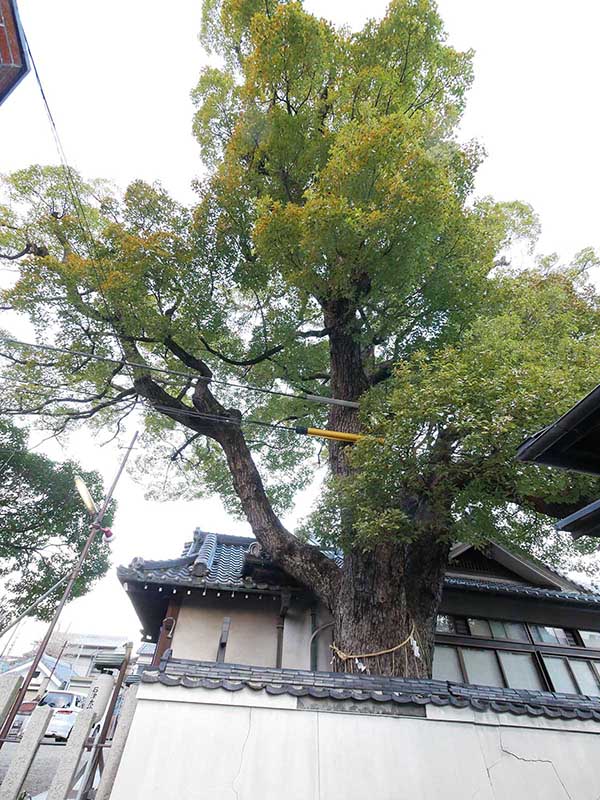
column 384, row 600
column 348, row 378
column 385, row 610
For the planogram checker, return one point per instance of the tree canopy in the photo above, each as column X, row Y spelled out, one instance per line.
column 337, row 248
column 449, row 422
column 43, row 525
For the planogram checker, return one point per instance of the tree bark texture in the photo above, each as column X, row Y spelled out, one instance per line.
column 384, row 615
column 385, row 611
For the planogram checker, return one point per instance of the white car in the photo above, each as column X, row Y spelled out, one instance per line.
column 67, row 706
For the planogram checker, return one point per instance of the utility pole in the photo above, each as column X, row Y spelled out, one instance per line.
column 94, row 528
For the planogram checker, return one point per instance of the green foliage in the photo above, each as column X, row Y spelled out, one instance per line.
column 452, row 420
column 333, row 175
column 43, row 525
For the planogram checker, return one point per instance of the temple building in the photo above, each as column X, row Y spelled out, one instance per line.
column 504, row 621
column 241, row 701
column 572, row 442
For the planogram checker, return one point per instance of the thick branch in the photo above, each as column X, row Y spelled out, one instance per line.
column 303, row 561
column 382, row 373
column 187, row 358
column 29, row 248
column 246, row 362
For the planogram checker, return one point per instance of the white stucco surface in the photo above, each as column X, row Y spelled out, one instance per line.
column 219, row 745
column 252, row 632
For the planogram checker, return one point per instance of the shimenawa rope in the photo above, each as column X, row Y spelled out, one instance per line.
column 348, row 656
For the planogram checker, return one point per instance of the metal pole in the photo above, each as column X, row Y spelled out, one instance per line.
column 94, row 528
column 34, row 605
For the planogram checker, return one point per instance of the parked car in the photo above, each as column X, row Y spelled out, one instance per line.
column 66, row 705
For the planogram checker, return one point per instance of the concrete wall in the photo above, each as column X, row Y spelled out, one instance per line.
column 252, row 633
column 219, row 745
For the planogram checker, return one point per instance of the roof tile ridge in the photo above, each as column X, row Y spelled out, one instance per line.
column 206, row 556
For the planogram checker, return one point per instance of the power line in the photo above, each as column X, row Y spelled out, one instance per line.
column 320, row 433
column 313, row 398
column 190, row 412
column 7, row 461
column 71, row 185
column 8, row 379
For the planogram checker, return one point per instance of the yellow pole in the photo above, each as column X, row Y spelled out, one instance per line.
column 339, row 436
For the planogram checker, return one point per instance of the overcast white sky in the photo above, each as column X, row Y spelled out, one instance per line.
column 118, row 75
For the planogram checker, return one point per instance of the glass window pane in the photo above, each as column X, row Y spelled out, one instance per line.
column 480, row 627
column 520, row 670
column 561, row 636
column 482, row 667
column 591, row 638
column 498, row 629
column 541, row 633
column 549, row 635
column 585, row 676
column 446, row 666
column 559, row 674
column 516, row 631
column 444, row 624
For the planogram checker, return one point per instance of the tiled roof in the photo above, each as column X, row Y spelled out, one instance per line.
column 217, row 560
column 398, row 691
column 497, row 587
column 61, row 671
column 211, row 560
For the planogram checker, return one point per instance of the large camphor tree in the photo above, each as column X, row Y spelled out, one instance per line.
column 336, row 249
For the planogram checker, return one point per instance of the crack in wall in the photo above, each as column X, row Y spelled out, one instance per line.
column 508, row 752
column 242, row 753
column 481, row 737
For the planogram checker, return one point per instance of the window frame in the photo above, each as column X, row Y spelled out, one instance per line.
column 579, row 651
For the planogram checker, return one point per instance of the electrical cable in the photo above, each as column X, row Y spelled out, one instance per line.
column 26, row 385
column 71, row 185
column 313, row 398
column 222, row 419
column 320, row 433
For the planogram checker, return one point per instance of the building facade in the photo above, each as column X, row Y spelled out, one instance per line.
column 51, row 674
column 240, row 701
column 504, row 620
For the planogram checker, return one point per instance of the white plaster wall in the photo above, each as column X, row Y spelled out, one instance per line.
column 296, row 638
column 219, row 745
column 252, row 633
